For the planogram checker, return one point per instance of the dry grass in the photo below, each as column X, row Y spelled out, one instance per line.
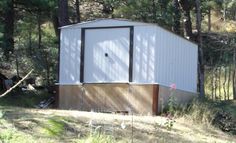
column 74, row 126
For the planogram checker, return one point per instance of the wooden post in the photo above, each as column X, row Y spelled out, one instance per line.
column 155, row 99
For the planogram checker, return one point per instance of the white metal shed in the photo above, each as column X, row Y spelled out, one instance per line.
column 121, row 51
column 113, row 51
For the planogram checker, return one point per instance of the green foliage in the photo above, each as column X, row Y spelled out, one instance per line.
column 169, row 123
column 24, row 99
column 148, row 11
column 7, row 135
column 172, row 105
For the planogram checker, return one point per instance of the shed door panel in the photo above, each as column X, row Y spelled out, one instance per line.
column 106, row 56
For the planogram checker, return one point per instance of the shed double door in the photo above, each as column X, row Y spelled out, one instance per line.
column 106, row 57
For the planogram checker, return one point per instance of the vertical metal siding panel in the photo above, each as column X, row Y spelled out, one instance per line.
column 70, row 56
column 176, row 61
column 144, row 69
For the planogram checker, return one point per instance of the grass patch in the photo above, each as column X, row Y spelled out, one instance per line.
column 220, row 114
column 40, row 126
column 13, row 136
column 53, row 127
column 26, row 99
column 202, row 111
column 97, row 138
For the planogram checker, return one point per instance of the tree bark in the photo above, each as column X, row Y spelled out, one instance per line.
column 8, row 35
column 154, row 11
column 224, row 83
column 212, row 84
column 17, row 65
column 56, row 25
column 219, row 82
column 39, row 29
column 177, row 16
column 215, row 83
column 30, row 41
column 234, row 75
column 47, row 68
column 186, row 6
column 200, row 50
column 209, row 19
column 224, row 10
column 63, row 19
column 77, row 4
column 234, row 85
column 63, row 12
column 229, row 79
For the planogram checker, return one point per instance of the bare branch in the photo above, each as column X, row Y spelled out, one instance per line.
column 19, row 82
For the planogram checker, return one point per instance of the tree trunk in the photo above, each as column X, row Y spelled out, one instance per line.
column 63, row 19
column 17, row 66
column 200, row 50
column 186, row 6
column 209, row 19
column 219, row 82
column 55, row 23
column 154, row 11
column 234, row 75
column 234, row 85
column 47, row 68
column 224, row 83
column 8, row 34
column 39, row 29
column 215, row 83
column 77, row 4
column 212, row 79
column 30, row 41
column 177, row 16
column 224, row 10
column 229, row 79
column 63, row 12
column 212, row 84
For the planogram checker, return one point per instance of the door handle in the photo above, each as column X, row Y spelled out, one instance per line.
column 106, row 54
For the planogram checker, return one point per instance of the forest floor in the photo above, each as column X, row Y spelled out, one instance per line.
column 47, row 125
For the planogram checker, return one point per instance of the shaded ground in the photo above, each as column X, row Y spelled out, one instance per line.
column 32, row 125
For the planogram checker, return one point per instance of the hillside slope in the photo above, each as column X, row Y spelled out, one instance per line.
column 33, row 125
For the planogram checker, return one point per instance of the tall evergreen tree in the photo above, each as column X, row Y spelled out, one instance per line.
column 63, row 17
column 77, row 8
column 187, row 6
column 176, row 16
column 8, row 32
column 200, row 51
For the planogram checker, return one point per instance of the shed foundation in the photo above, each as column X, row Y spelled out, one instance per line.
column 142, row 99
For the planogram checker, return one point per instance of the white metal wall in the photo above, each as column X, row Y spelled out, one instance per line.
column 144, row 61
column 164, row 58
column 176, row 61
column 70, row 56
